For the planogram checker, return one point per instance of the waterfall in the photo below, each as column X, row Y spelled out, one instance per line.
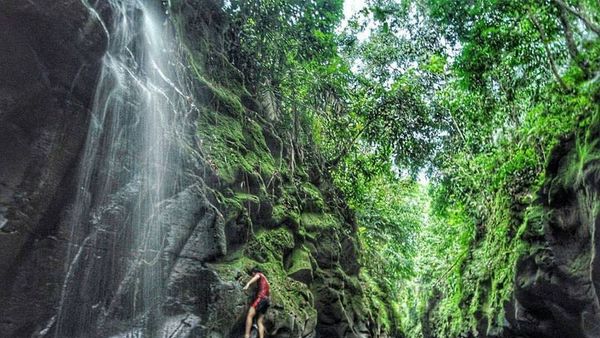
column 131, row 162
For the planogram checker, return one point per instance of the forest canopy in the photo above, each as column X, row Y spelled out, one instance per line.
column 435, row 119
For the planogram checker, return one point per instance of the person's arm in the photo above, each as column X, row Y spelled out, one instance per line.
column 253, row 280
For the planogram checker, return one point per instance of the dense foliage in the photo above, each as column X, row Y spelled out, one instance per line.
column 516, row 77
column 472, row 96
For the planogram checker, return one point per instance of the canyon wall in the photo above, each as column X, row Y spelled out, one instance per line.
column 244, row 197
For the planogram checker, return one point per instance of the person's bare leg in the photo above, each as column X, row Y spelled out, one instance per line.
column 249, row 317
column 261, row 326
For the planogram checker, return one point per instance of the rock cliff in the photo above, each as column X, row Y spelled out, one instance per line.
column 557, row 279
column 241, row 202
column 533, row 272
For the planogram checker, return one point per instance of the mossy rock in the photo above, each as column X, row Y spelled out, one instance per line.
column 284, row 290
column 322, row 233
column 234, row 267
column 292, row 304
column 300, row 266
column 283, row 215
column 235, row 150
column 312, row 197
column 228, row 97
column 270, row 245
column 535, row 222
column 315, row 222
column 236, row 201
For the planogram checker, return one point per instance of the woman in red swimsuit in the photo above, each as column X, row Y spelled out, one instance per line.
column 260, row 304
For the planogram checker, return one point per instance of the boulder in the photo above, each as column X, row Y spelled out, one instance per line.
column 300, row 266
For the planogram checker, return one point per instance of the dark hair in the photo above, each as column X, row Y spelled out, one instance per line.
column 255, row 270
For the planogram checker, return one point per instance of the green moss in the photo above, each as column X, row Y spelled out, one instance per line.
column 285, row 215
column 280, row 212
column 586, row 151
column 233, row 148
column 256, row 137
column 314, row 222
column 246, row 198
column 225, row 95
column 482, row 282
column 234, row 267
column 235, row 202
column 287, row 209
column 300, row 266
column 579, row 264
column 267, row 245
column 234, row 142
column 376, row 303
column 534, row 223
column 313, row 199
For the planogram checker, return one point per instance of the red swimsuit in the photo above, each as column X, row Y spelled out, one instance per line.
column 263, row 290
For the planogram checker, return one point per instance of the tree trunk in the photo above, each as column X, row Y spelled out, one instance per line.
column 571, row 44
column 540, row 29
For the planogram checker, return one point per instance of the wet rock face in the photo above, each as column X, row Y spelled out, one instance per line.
column 557, row 283
column 49, row 60
column 50, row 55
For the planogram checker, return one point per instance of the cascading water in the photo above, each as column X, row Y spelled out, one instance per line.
column 129, row 165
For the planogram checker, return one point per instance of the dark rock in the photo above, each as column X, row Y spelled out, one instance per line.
column 349, row 257
column 50, row 55
column 300, row 266
column 49, row 61
column 328, row 301
column 556, row 284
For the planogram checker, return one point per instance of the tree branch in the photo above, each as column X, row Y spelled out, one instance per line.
column 540, row 29
column 571, row 45
column 333, row 163
column 588, row 22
